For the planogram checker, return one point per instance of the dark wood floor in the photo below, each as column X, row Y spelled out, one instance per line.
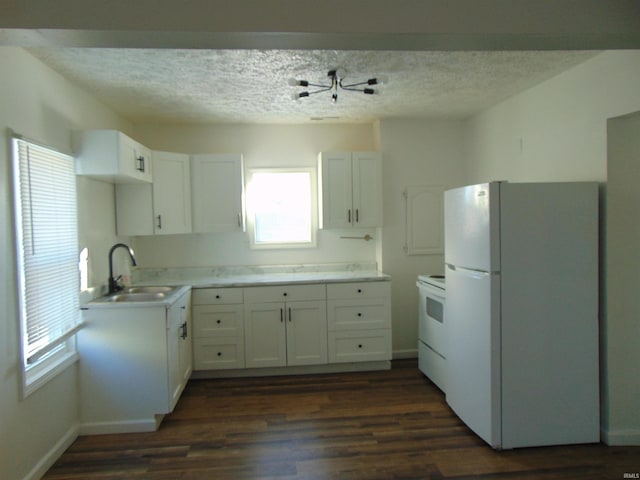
column 365, row 426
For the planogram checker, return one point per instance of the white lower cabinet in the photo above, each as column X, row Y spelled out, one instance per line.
column 218, row 337
column 134, row 364
column 359, row 320
column 285, row 325
column 290, row 325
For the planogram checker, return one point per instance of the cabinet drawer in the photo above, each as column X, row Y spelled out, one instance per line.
column 284, row 293
column 218, row 353
column 358, row 290
column 359, row 346
column 217, row 321
column 364, row 314
column 432, row 365
column 215, row 296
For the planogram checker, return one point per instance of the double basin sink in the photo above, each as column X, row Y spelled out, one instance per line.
column 141, row 294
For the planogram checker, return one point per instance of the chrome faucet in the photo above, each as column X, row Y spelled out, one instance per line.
column 114, row 286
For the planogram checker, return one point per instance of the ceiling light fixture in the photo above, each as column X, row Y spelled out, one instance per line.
column 336, row 81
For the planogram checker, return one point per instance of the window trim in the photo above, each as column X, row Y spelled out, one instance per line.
column 58, row 355
column 313, row 214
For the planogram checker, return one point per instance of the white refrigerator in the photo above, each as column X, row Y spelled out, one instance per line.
column 522, row 311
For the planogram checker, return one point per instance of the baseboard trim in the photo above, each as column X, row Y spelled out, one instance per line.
column 621, row 437
column 405, row 354
column 121, row 426
column 47, row 461
column 301, row 370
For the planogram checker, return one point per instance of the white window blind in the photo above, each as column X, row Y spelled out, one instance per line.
column 47, row 243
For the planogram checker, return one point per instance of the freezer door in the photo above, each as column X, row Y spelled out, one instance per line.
column 472, row 227
column 472, row 312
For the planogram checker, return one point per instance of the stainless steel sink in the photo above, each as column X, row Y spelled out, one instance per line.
column 149, row 289
column 136, row 297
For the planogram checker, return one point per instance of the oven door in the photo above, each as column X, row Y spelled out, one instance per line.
column 431, row 317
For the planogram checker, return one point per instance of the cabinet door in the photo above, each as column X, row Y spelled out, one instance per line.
column 111, row 156
column 171, row 193
column 367, row 189
column 140, row 163
column 216, row 192
column 134, row 209
column 179, row 347
column 264, row 334
column 334, row 172
column 186, row 344
column 174, row 332
column 306, row 332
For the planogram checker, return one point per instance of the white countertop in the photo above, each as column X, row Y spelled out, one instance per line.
column 223, row 277
column 247, row 276
column 258, row 279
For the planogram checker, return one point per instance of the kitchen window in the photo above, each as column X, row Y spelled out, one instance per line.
column 280, row 206
column 47, row 260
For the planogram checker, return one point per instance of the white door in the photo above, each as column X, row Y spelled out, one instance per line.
column 367, row 189
column 306, row 332
column 216, row 190
column 264, row 334
column 471, row 227
column 336, row 190
column 171, row 193
column 472, row 316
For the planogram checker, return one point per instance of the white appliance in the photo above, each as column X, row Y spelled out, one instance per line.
column 431, row 328
column 522, row 311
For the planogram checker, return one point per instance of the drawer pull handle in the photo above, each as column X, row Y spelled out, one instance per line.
column 284, row 294
column 219, row 354
column 217, row 296
column 218, row 322
column 359, row 290
column 360, row 346
column 359, row 314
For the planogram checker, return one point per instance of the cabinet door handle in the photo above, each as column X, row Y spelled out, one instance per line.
column 349, row 215
column 289, row 314
column 140, row 166
column 185, row 333
column 281, row 315
column 160, row 222
column 357, row 215
column 239, row 219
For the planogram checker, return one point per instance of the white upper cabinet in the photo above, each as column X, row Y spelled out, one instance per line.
column 171, row 193
column 162, row 208
column 111, row 156
column 350, row 189
column 217, row 193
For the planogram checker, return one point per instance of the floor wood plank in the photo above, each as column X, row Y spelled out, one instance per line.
column 372, row 425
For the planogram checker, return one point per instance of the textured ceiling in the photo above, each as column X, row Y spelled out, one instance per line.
column 251, row 86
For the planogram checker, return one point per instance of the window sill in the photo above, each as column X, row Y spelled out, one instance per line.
column 35, row 378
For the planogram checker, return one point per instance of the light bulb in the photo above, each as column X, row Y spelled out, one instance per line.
column 382, row 79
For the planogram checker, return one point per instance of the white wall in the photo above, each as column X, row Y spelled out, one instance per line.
column 261, row 146
column 557, row 129
column 621, row 353
column 415, row 153
column 562, row 124
column 39, row 104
